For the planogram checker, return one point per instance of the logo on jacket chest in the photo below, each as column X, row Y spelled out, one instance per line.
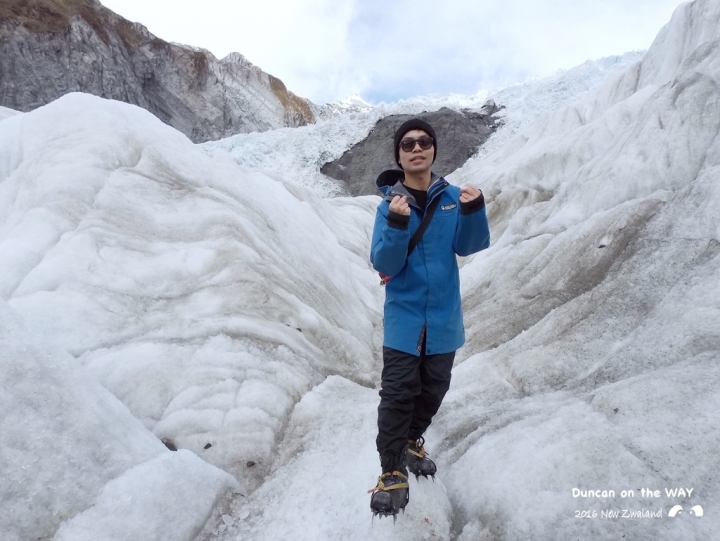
column 448, row 207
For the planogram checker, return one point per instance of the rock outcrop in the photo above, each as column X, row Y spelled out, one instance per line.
column 51, row 47
column 460, row 135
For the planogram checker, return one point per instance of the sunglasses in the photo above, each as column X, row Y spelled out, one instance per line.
column 408, row 145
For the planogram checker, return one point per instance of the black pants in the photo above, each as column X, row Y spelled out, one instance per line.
column 412, row 390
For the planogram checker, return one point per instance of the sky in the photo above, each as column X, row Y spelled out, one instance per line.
column 385, row 50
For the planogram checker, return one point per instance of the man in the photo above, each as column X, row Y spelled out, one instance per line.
column 423, row 317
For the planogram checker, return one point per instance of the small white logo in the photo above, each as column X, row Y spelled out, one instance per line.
column 449, row 207
column 696, row 510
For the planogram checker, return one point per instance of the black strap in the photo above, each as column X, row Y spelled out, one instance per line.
column 429, row 211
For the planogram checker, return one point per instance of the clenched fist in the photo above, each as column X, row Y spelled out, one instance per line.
column 399, row 205
column 468, row 193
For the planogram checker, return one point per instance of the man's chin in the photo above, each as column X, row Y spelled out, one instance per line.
column 417, row 167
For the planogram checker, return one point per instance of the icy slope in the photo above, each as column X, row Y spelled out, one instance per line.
column 5, row 112
column 235, row 315
column 207, row 297
column 593, row 343
column 297, row 154
column 318, row 486
column 66, row 442
column 593, row 347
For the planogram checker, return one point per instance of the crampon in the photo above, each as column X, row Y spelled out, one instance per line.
column 390, row 495
column 418, row 461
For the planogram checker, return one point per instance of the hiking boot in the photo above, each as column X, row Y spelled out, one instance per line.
column 392, row 492
column 390, row 495
column 418, row 461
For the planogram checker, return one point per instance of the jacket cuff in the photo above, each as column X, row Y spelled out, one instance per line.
column 398, row 221
column 472, row 206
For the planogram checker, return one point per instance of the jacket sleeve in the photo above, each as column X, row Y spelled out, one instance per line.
column 390, row 240
column 473, row 232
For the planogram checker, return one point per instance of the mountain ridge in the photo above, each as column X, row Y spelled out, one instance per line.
column 52, row 47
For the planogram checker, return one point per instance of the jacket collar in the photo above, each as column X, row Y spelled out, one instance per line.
column 390, row 184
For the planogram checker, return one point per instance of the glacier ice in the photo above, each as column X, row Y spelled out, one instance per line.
column 321, row 475
column 6, row 112
column 229, row 305
column 298, row 154
column 207, row 297
column 73, row 456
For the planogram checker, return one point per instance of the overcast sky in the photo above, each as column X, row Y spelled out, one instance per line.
column 384, row 50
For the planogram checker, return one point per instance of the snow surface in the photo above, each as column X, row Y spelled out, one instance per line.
column 229, row 306
column 297, row 154
column 319, row 483
column 6, row 112
column 593, row 341
column 207, row 297
column 351, row 104
column 170, row 497
column 68, row 444
column 593, row 317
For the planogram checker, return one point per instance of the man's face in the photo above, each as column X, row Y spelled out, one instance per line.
column 417, row 160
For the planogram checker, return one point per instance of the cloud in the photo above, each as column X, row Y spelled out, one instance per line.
column 416, row 47
column 385, row 50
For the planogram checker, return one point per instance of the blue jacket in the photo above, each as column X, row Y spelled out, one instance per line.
column 423, row 296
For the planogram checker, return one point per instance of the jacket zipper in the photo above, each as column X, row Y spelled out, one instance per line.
column 424, row 328
column 420, row 340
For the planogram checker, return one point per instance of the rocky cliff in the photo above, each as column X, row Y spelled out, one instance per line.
column 51, row 47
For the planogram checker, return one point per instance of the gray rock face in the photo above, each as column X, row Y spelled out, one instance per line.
column 459, row 134
column 51, row 47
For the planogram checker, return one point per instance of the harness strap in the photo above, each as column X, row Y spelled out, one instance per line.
column 429, row 211
column 420, row 445
column 381, row 485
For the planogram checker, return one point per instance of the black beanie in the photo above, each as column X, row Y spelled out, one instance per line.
column 413, row 124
